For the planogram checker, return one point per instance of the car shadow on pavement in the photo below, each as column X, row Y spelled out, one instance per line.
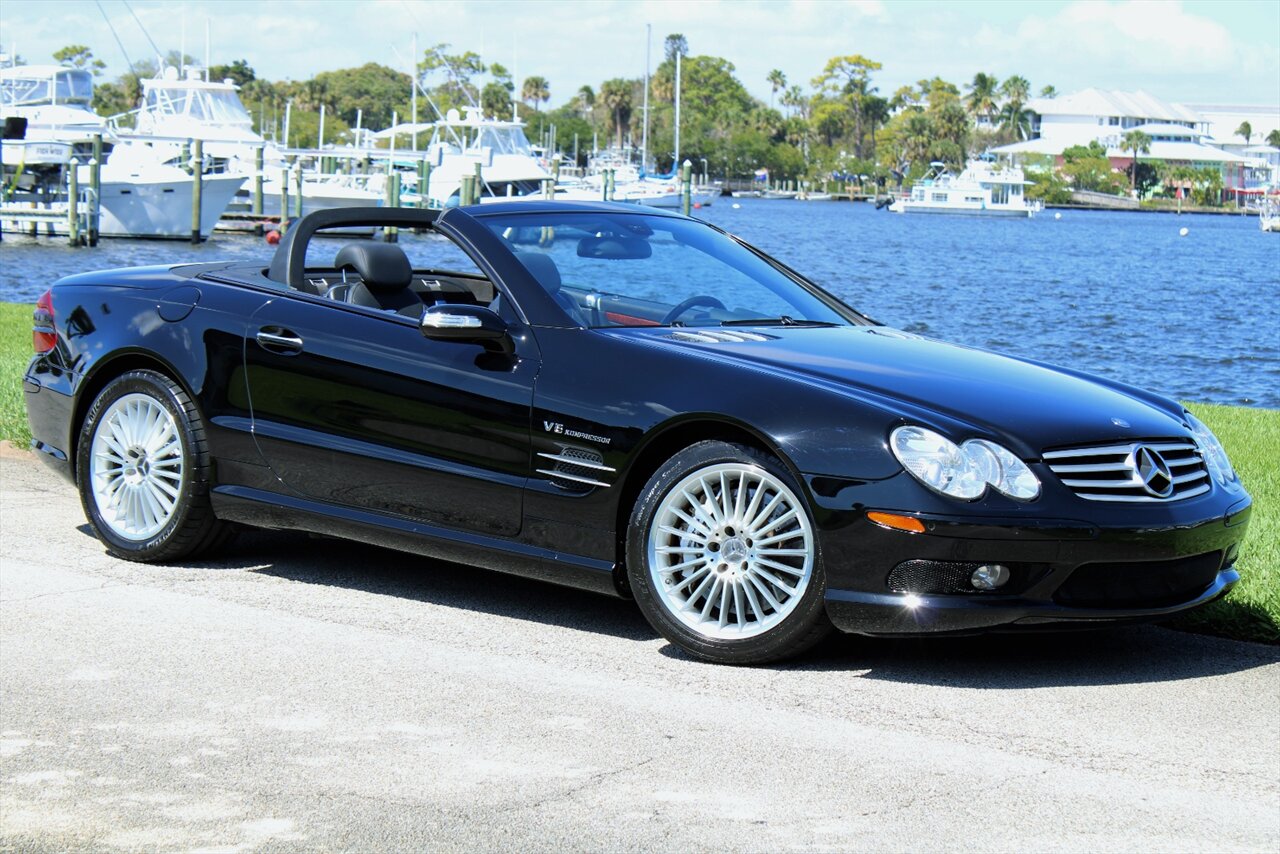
column 1098, row 656
column 384, row 572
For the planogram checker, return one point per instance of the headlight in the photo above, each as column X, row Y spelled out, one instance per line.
column 962, row 471
column 1214, row 454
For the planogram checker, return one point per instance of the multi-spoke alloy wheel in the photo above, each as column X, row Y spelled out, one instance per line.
column 137, row 466
column 723, row 559
column 143, row 467
column 730, row 550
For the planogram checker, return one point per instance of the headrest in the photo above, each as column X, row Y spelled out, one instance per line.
column 542, row 268
column 381, row 266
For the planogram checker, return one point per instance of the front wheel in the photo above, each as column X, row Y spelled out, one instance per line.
column 143, row 469
column 723, row 558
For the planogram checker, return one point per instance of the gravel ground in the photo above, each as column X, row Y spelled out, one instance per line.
column 303, row 694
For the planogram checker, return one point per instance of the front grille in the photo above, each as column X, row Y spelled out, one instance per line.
column 1125, row 472
column 1150, row 584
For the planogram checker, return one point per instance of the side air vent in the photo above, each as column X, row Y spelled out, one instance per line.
column 577, row 469
column 718, row 336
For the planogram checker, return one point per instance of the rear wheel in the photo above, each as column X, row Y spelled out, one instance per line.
column 723, row 558
column 143, row 469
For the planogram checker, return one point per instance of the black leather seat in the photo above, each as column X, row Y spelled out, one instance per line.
column 544, row 269
column 385, row 277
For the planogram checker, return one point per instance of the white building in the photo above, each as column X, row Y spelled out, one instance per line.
column 1179, row 134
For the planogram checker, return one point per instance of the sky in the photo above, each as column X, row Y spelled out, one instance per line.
column 1220, row 51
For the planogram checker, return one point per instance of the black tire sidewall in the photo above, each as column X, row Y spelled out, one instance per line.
column 165, row 393
column 805, row 625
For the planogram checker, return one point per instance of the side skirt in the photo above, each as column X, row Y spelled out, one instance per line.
column 261, row 509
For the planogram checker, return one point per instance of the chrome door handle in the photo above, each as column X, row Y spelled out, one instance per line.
column 278, row 340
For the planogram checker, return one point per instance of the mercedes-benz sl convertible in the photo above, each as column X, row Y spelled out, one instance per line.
column 631, row 402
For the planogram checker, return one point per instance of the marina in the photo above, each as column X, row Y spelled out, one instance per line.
column 1057, row 290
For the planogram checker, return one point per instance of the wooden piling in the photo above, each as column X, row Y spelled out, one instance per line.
column 257, row 187
column 686, row 187
column 95, row 184
column 197, row 188
column 297, row 190
column 284, row 199
column 73, row 202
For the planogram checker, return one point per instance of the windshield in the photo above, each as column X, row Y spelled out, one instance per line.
column 625, row 269
column 206, row 105
column 503, row 140
column 69, row 87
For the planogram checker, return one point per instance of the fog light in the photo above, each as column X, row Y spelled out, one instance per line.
column 989, row 576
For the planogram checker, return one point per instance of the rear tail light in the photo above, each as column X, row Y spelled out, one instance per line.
column 44, row 334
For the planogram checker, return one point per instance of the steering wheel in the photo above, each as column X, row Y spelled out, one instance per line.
column 691, row 302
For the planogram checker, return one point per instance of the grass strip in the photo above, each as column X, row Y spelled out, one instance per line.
column 1252, row 438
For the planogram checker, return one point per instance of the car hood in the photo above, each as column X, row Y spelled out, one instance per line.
column 1025, row 403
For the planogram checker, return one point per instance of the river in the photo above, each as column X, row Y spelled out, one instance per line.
column 1123, row 295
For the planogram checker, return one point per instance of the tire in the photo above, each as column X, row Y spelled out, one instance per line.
column 736, row 581
column 143, row 471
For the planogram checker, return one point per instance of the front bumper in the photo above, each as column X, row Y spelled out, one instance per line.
column 868, row 593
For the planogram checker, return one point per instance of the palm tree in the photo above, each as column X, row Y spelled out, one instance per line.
column 535, row 89
column 1245, row 130
column 1015, row 119
column 983, row 92
column 1016, row 88
column 585, row 100
column 1048, row 92
column 777, row 81
column 616, row 96
column 1273, row 138
column 1135, row 141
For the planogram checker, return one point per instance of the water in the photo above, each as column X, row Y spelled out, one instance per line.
column 1121, row 295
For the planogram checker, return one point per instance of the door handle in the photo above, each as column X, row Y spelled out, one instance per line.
column 281, row 341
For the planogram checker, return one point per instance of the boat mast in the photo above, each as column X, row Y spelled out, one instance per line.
column 644, row 139
column 676, row 162
column 413, row 90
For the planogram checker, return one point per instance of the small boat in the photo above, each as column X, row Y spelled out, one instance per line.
column 1269, row 215
column 984, row 188
column 779, row 194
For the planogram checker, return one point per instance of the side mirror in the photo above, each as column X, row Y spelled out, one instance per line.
column 471, row 324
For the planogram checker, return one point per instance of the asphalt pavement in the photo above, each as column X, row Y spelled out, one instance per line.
column 298, row 694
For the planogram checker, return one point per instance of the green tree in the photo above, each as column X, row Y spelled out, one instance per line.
column 535, row 89
column 1137, row 142
column 1016, row 88
column 1245, row 130
column 586, row 101
column 79, row 56
column 616, row 96
column 1273, row 138
column 495, row 100
column 1015, row 120
column 371, row 90
column 1048, row 92
column 673, row 44
column 850, row 76
column 984, row 92
column 777, row 82
column 459, row 68
column 238, row 72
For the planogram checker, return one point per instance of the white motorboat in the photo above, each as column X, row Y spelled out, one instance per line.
column 459, row 143
column 1269, row 215
column 140, row 195
column 177, row 108
column 984, row 188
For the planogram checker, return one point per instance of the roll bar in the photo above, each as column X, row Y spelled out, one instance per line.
column 289, row 263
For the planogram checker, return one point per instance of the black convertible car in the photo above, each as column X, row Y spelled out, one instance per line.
column 632, row 402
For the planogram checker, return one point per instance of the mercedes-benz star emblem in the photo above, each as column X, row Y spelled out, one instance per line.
column 1154, row 472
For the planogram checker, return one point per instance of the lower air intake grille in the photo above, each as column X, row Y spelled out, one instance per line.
column 1149, row 584
column 1155, row 470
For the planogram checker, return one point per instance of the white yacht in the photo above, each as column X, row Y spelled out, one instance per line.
column 984, row 188
column 457, row 143
column 140, row 195
column 177, row 108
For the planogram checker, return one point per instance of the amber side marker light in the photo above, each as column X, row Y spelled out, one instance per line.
column 896, row 521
